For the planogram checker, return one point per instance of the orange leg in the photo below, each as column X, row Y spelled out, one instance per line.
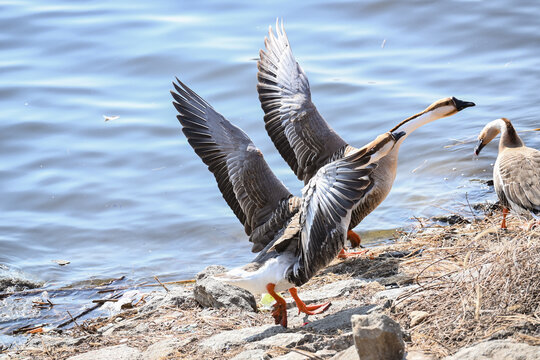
column 503, row 223
column 280, row 307
column 354, row 238
column 308, row 309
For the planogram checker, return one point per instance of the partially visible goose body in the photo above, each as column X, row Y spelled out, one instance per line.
column 306, row 141
column 297, row 236
column 516, row 173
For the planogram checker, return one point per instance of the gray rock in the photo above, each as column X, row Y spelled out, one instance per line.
column 332, row 290
column 497, row 350
column 164, row 349
column 176, row 296
column 118, row 352
column 340, row 321
column 349, row 354
column 152, row 301
column 226, row 339
column 334, row 343
column 326, row 353
column 210, row 292
column 141, row 328
column 377, row 337
column 381, row 307
column 337, row 343
column 282, row 339
column 256, row 354
column 55, row 341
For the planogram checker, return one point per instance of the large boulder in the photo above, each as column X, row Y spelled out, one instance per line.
column 497, row 349
column 210, row 292
column 377, row 337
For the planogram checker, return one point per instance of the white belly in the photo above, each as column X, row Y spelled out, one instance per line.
column 273, row 271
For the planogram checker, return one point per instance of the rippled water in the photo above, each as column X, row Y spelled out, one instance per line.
column 130, row 197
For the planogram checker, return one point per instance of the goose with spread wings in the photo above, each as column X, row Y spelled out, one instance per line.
column 306, row 141
column 516, row 173
column 297, row 236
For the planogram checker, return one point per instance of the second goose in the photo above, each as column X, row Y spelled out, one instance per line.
column 516, row 173
column 306, row 141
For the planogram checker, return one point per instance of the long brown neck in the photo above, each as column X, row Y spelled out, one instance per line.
column 509, row 136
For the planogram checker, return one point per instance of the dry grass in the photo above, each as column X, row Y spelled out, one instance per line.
column 476, row 282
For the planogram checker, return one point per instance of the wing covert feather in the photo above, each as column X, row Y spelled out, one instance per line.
column 246, row 182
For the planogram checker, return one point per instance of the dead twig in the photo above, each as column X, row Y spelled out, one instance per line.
column 103, row 301
column 177, row 282
column 160, row 283
column 86, row 311
column 75, row 322
column 141, row 301
column 470, row 207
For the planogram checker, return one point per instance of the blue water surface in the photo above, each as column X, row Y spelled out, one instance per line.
column 130, row 197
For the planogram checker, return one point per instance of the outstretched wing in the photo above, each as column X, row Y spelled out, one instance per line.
column 248, row 185
column 328, row 200
column 304, row 139
column 520, row 175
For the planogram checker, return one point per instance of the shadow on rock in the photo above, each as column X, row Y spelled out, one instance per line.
column 365, row 267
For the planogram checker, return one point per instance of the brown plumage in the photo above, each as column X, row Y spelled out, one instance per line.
column 302, row 136
column 296, row 236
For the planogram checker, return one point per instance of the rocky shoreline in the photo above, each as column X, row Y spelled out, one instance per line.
column 379, row 309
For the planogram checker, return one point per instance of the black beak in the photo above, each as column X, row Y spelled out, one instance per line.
column 460, row 105
column 398, row 135
column 479, row 147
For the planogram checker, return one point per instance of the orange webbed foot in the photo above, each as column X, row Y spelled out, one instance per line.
column 308, row 309
column 314, row 309
column 344, row 254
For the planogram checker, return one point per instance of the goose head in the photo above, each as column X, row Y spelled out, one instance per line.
column 509, row 136
column 439, row 109
column 383, row 144
column 488, row 133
